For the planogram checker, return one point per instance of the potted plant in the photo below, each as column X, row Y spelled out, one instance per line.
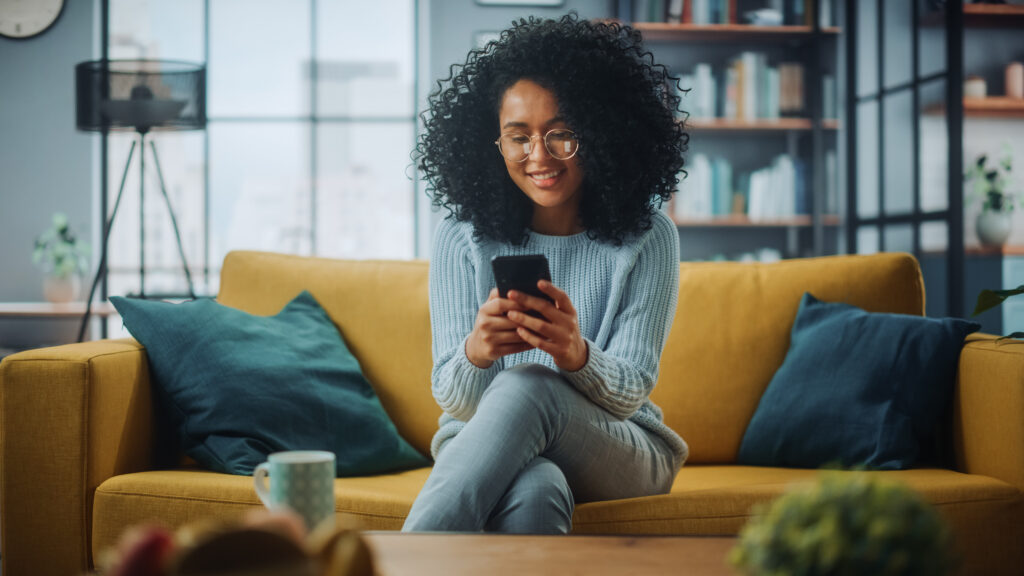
column 60, row 254
column 991, row 186
column 845, row 523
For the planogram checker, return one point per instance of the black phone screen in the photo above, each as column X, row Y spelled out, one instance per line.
column 521, row 273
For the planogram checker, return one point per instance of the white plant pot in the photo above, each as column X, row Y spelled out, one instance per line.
column 994, row 227
column 61, row 290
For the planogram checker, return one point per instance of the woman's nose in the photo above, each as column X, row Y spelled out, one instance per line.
column 538, row 150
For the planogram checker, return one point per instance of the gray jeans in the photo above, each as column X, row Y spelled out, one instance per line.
column 534, row 447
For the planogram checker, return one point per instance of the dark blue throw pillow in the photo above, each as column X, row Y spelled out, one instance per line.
column 238, row 387
column 856, row 388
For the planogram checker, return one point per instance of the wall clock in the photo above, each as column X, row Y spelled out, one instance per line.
column 22, row 19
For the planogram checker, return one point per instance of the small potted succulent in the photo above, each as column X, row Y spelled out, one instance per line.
column 845, row 523
column 63, row 258
column 992, row 187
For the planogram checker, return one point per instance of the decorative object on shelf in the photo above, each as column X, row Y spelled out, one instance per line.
column 991, row 185
column 1015, row 80
column 845, row 523
column 140, row 96
column 24, row 19
column 60, row 254
column 975, row 87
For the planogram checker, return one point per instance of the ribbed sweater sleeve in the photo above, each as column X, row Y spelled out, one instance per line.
column 620, row 377
column 456, row 383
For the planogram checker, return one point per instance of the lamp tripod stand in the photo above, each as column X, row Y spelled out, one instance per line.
column 140, row 96
column 101, row 271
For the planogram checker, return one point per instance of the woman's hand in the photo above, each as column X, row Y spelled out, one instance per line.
column 494, row 335
column 558, row 333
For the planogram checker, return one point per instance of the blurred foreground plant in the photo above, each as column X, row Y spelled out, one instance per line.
column 848, row 523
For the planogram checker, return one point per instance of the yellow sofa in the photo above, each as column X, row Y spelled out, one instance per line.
column 78, row 432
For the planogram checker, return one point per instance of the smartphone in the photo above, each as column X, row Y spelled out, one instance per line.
column 521, row 273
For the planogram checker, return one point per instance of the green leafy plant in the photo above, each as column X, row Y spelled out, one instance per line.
column 58, row 252
column 991, row 184
column 989, row 299
column 846, row 523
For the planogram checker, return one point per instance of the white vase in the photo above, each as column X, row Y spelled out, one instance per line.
column 60, row 290
column 994, row 227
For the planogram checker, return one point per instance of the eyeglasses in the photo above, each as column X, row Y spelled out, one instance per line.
column 561, row 144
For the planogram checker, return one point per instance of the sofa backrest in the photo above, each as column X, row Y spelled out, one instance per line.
column 730, row 334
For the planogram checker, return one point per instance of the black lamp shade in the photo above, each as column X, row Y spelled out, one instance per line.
column 140, row 95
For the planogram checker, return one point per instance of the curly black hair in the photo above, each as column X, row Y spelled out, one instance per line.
column 610, row 92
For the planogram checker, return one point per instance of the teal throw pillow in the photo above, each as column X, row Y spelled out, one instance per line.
column 238, row 387
column 856, row 389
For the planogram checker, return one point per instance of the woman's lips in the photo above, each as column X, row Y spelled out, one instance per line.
column 545, row 179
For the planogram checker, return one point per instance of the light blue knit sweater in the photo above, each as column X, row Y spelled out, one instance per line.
column 625, row 299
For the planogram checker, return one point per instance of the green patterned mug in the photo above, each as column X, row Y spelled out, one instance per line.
column 300, row 480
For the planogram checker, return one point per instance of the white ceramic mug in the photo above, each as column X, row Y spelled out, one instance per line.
column 301, row 481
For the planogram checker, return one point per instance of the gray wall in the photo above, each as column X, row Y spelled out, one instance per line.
column 46, row 166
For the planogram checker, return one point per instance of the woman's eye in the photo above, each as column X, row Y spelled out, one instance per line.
column 520, row 139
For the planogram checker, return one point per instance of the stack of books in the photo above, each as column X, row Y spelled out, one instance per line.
column 748, row 89
column 772, row 12
column 712, row 190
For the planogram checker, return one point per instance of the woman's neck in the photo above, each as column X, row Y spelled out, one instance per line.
column 556, row 222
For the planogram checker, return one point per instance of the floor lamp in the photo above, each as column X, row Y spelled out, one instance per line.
column 141, row 96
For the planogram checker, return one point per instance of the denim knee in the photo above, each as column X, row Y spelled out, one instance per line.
column 532, row 384
column 539, row 501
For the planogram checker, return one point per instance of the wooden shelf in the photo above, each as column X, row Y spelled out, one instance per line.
column 990, row 107
column 993, row 15
column 994, row 107
column 664, row 32
column 48, row 310
column 761, row 125
column 1005, row 250
column 743, row 221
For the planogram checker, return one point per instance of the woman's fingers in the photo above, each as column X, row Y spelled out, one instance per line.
column 561, row 298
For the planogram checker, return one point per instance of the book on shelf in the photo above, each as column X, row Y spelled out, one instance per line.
column 707, row 12
column 712, row 190
column 829, row 103
column 685, row 11
column 749, row 89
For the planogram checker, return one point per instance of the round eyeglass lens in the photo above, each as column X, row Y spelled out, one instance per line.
column 561, row 144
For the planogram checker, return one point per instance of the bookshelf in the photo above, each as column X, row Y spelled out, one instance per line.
column 763, row 123
column 740, row 220
column 993, row 15
column 758, row 125
column 725, row 33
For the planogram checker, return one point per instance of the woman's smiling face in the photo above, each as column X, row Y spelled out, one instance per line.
column 553, row 185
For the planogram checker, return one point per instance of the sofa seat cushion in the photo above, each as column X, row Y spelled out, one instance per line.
column 983, row 511
column 178, row 497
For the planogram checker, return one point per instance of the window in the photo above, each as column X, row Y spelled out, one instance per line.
column 311, row 107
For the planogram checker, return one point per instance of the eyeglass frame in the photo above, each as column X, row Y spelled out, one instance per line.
column 543, row 139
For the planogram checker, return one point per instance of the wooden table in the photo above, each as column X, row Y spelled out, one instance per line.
column 398, row 554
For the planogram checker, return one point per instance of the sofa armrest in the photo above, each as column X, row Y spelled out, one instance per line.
column 70, row 417
column 988, row 417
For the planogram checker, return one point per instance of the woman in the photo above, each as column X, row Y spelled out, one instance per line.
column 540, row 413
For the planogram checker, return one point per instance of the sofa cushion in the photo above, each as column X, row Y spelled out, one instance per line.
column 731, row 333
column 238, row 387
column 703, row 500
column 856, row 389
column 353, row 293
